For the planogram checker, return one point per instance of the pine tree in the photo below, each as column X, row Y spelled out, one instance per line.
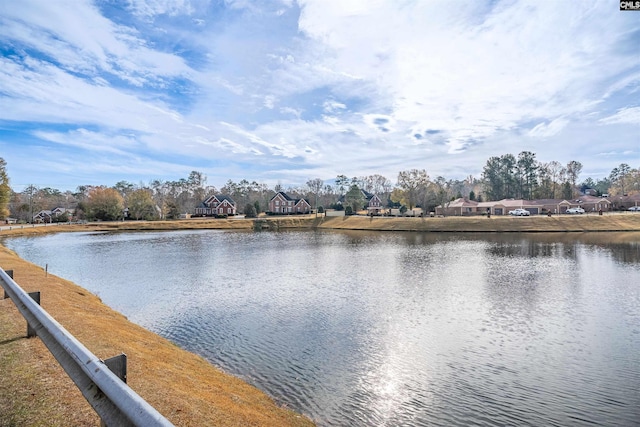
column 5, row 190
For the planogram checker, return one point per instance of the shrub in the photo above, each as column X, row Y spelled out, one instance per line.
column 250, row 211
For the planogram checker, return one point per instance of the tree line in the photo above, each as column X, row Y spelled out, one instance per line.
column 523, row 177
column 506, row 176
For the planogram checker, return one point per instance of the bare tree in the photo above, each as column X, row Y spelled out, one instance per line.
column 556, row 175
column 442, row 191
column 619, row 177
column 411, row 183
column 573, row 171
column 315, row 186
column 341, row 183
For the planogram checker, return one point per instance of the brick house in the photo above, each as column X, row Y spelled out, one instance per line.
column 458, row 207
column 623, row 203
column 374, row 204
column 216, row 204
column 282, row 203
column 49, row 216
column 535, row 207
column 593, row 203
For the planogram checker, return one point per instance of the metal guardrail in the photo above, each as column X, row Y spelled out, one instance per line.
column 114, row 401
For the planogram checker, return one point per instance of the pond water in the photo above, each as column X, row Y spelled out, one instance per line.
column 387, row 329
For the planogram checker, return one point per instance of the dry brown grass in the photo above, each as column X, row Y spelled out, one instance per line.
column 186, row 224
column 481, row 224
column 184, row 387
column 476, row 224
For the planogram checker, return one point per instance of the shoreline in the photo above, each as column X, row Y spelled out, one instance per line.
column 495, row 224
column 609, row 222
column 184, row 387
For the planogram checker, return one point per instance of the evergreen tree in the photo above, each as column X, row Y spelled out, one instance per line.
column 527, row 174
column 354, row 198
column 5, row 190
column 250, row 211
column 499, row 177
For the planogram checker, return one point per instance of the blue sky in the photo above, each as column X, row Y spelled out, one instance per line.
column 282, row 91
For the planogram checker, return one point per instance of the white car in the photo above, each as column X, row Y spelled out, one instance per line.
column 575, row 211
column 634, row 208
column 519, row 212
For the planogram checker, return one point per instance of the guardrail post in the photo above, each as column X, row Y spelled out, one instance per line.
column 34, row 296
column 115, row 402
column 10, row 274
column 118, row 365
column 30, row 331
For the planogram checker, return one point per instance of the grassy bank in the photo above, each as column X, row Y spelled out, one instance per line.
column 184, row 387
column 476, row 224
column 185, row 224
column 481, row 224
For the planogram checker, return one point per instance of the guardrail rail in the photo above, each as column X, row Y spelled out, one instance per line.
column 114, row 401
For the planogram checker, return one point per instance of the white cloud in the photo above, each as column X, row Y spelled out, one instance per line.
column 468, row 70
column 43, row 93
column 60, row 30
column 332, row 106
column 629, row 115
column 545, row 129
column 373, row 86
column 91, row 141
column 292, row 111
column 151, row 8
column 269, row 102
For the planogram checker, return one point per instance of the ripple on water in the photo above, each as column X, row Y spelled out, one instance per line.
column 360, row 329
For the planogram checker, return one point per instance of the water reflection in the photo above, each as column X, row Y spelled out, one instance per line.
column 359, row 328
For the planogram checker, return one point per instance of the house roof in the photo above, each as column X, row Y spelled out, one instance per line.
column 508, row 203
column 462, row 202
column 632, row 198
column 520, row 203
column 219, row 197
column 549, row 201
column 222, row 197
column 49, row 212
column 283, row 195
column 592, row 199
column 289, row 198
column 368, row 196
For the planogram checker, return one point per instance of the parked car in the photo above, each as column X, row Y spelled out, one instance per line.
column 575, row 211
column 519, row 212
column 634, row 208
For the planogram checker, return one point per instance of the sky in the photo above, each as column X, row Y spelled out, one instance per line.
column 284, row 91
